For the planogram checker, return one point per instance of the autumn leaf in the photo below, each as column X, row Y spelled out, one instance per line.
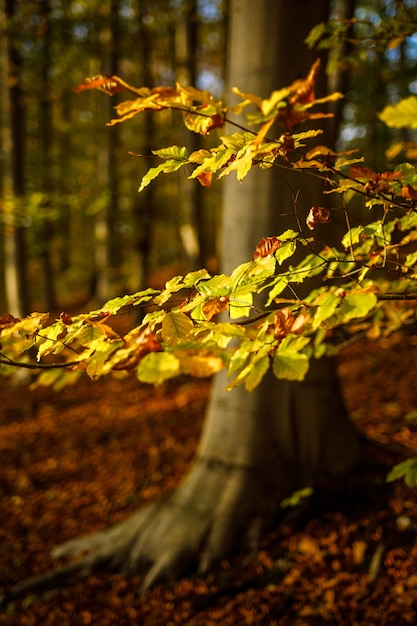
column 266, row 246
column 7, row 318
column 409, row 192
column 302, row 90
column 175, row 327
column 65, row 318
column 199, row 365
column 205, row 178
column 157, row 367
column 109, row 84
column 403, row 114
column 215, row 306
column 317, row 215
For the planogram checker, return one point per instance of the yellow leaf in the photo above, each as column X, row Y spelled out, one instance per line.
column 200, row 366
column 175, row 327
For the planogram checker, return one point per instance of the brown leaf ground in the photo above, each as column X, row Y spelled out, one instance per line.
column 77, row 461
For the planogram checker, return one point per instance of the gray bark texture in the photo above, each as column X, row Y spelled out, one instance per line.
column 256, row 448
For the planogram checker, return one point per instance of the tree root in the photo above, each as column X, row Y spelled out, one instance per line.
column 168, row 539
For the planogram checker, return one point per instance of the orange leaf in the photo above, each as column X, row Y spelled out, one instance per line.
column 109, row 84
column 361, row 172
column 302, row 91
column 205, row 178
column 214, row 307
column 409, row 192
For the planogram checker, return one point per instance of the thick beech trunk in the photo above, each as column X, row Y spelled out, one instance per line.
column 255, row 448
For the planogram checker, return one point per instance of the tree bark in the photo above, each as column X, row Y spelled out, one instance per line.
column 15, row 257
column 256, row 448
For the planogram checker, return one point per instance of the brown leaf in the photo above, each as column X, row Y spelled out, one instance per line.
column 65, row 318
column 267, row 245
column 283, row 321
column 7, row 319
column 216, row 121
column 317, row 215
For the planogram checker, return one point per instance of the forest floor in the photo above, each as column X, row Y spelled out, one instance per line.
column 76, row 461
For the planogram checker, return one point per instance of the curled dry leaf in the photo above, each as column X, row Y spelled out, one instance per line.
column 65, row 318
column 109, row 84
column 285, row 322
column 317, row 215
column 7, row 318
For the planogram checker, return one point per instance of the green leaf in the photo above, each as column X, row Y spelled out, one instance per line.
column 179, row 153
column 157, row 367
column 408, row 177
column 280, row 284
column 242, row 164
column 289, row 362
column 175, row 327
column 240, row 306
column 215, row 287
column 328, row 305
column 86, row 334
column 357, row 305
column 296, row 497
column 411, row 259
column 252, row 374
column 192, row 278
column 408, row 221
column 256, row 373
column 180, row 158
column 285, row 251
column 49, row 337
column 240, row 357
column 407, row 470
column 98, row 354
column 113, row 306
column 214, row 161
column 401, row 115
column 290, row 365
column 315, row 35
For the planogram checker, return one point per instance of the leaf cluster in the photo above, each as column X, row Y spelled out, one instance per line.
column 199, row 323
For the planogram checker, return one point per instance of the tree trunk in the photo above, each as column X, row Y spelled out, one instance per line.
column 186, row 38
column 46, row 227
column 256, row 448
column 15, row 258
column 108, row 251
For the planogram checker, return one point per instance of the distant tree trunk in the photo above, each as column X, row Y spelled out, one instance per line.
column 186, row 37
column 15, row 257
column 144, row 203
column 46, row 228
column 107, row 245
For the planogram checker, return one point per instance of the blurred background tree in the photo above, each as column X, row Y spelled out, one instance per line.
column 73, row 228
